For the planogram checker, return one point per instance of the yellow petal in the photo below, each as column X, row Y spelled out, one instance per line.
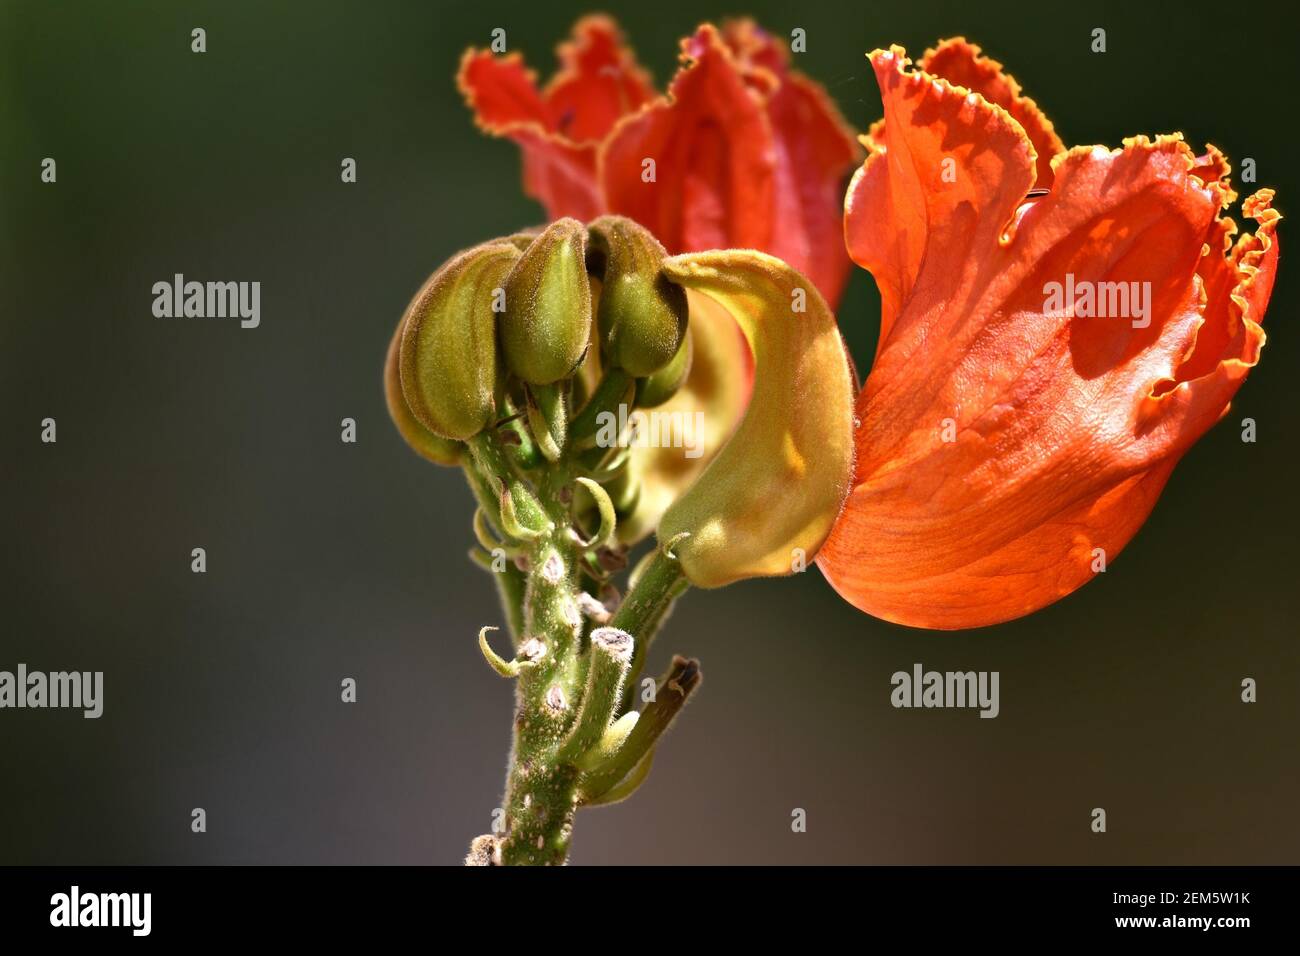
column 718, row 384
column 776, row 487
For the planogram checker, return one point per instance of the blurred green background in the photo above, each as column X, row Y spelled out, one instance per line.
column 328, row 560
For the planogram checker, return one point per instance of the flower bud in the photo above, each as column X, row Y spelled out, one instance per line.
column 642, row 316
column 440, row 451
column 662, row 385
column 447, row 358
column 547, row 319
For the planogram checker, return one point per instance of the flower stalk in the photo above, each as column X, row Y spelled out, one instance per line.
column 572, row 692
column 560, row 333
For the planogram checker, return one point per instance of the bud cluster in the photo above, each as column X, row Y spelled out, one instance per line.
column 507, row 362
column 524, row 360
column 529, row 338
column 514, row 316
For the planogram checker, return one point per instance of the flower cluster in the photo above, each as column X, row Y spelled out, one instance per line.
column 740, row 153
column 1058, row 327
column 511, row 362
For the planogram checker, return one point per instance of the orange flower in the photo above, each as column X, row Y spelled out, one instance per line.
column 746, row 152
column 1058, row 328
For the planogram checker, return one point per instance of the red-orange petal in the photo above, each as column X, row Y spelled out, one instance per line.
column 1001, row 445
column 502, row 91
column 963, row 64
column 754, row 48
column 558, row 172
column 746, row 152
column 599, row 81
column 902, row 208
column 814, row 152
column 1213, row 169
column 560, row 176
column 712, row 149
column 1238, row 281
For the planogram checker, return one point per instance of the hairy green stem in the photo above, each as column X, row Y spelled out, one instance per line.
column 660, row 583
column 569, row 693
column 541, row 791
column 571, row 688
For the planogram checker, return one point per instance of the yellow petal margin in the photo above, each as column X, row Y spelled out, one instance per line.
column 768, row 500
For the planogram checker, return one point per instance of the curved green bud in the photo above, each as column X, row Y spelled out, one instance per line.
column 780, row 481
column 439, row 450
column 589, row 373
column 448, row 352
column 642, row 316
column 658, row 387
column 547, row 320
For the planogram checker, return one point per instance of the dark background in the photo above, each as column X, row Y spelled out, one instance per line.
column 328, row 560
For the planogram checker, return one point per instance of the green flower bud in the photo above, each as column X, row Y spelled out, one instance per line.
column 440, row 451
column 656, row 389
column 447, row 358
column 547, row 320
column 642, row 316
